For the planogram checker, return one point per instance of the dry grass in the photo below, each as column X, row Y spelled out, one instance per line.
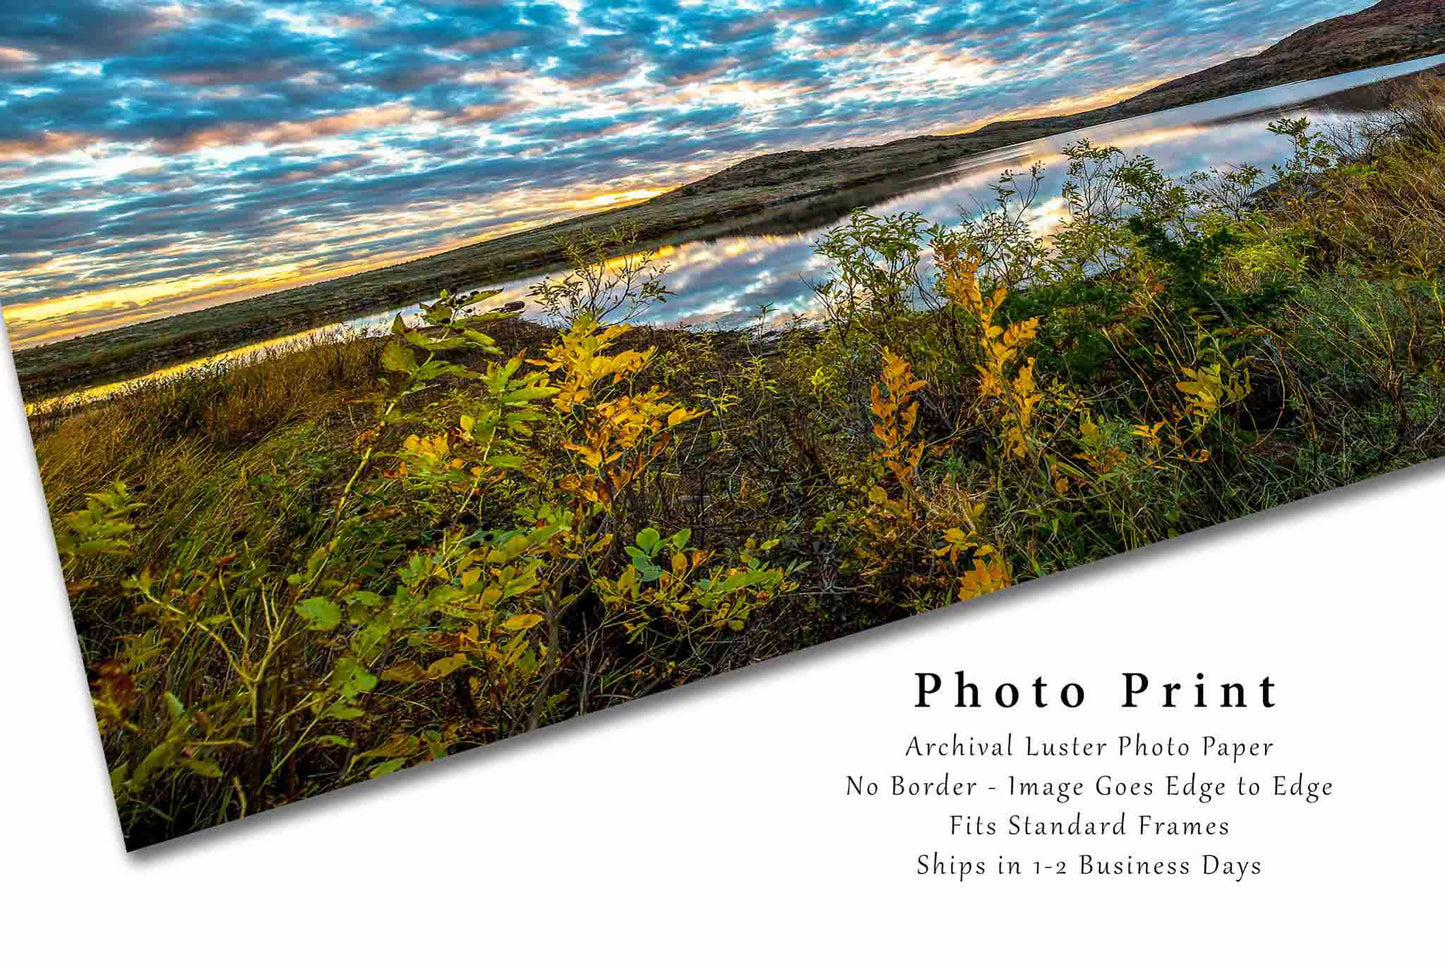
column 159, row 425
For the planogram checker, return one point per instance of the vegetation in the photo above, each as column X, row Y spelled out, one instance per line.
column 333, row 564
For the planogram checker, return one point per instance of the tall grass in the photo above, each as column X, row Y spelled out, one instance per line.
column 153, row 425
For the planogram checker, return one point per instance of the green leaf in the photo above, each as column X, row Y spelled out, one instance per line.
column 362, row 597
column 352, row 678
column 416, row 569
column 522, row 395
column 117, row 778
column 320, row 613
column 398, row 358
column 390, row 766
column 647, row 570
column 203, row 768
column 648, row 539
column 157, row 759
column 735, row 582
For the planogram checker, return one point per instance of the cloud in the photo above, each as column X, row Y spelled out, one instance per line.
column 298, row 132
column 44, row 144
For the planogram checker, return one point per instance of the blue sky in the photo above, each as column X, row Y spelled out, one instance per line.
column 157, row 158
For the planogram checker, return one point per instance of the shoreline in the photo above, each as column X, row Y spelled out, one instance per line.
column 767, row 189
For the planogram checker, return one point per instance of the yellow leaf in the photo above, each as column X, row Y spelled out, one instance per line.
column 446, row 666
column 524, row 621
column 403, row 672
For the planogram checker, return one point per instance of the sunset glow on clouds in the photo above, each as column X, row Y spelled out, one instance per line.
column 160, row 158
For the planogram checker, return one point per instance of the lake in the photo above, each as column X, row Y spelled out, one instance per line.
column 722, row 282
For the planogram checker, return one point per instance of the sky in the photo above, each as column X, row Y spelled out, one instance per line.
column 158, row 158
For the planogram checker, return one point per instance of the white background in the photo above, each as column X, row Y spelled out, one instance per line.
column 711, row 822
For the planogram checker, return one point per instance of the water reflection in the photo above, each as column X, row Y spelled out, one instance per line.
column 722, row 281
